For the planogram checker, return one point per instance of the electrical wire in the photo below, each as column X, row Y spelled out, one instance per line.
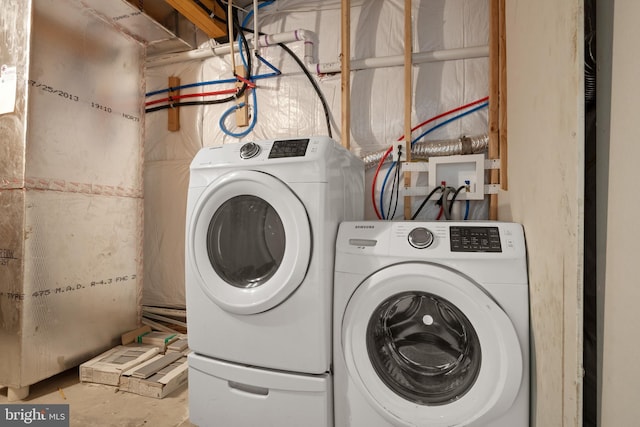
column 424, row 202
column 230, row 30
column 204, row 7
column 444, row 202
column 248, row 16
column 397, row 191
column 190, row 95
column 190, row 85
column 395, row 186
column 453, row 198
column 384, row 184
column 373, row 184
column 245, row 21
column 238, row 93
column 439, row 125
column 313, row 83
column 446, row 113
column 446, row 122
column 394, row 166
column 242, row 43
column 191, row 103
column 222, row 101
column 386, row 154
column 466, row 210
column 274, row 73
column 295, row 57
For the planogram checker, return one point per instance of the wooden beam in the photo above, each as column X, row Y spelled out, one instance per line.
column 502, row 95
column 345, row 72
column 408, row 90
column 494, row 100
column 194, row 13
column 173, row 117
column 242, row 113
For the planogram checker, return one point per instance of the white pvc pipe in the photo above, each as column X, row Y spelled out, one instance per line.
column 327, row 68
column 396, row 60
column 231, row 39
column 255, row 24
column 219, row 50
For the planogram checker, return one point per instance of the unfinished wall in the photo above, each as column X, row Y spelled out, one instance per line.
column 288, row 105
column 546, row 158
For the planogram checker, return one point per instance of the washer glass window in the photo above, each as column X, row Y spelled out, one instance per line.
column 246, row 241
column 423, row 348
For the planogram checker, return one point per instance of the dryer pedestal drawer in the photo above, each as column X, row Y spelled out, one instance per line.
column 226, row 394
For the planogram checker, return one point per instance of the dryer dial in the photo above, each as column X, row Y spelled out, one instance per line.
column 420, row 238
column 249, row 150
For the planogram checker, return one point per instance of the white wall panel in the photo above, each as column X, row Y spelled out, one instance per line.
column 545, row 66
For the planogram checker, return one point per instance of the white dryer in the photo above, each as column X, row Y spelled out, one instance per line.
column 262, row 219
column 431, row 325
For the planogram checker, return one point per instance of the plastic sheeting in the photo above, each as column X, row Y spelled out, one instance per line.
column 288, row 106
column 164, row 224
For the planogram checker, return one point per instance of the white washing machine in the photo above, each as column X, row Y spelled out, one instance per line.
column 431, row 325
column 262, row 219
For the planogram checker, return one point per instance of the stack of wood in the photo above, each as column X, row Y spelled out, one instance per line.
column 149, row 363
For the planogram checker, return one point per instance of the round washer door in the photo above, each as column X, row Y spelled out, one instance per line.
column 249, row 241
column 427, row 346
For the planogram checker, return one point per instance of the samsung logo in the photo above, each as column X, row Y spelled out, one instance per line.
column 366, row 226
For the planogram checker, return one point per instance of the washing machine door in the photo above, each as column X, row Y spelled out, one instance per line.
column 249, row 241
column 427, row 346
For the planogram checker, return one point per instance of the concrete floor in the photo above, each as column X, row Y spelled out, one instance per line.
column 104, row 406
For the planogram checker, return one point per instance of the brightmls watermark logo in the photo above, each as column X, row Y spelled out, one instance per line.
column 34, row 415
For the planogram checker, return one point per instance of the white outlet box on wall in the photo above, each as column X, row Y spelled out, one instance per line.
column 456, row 170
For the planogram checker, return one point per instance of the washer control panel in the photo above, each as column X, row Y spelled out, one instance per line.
column 474, row 239
column 420, row 238
column 432, row 239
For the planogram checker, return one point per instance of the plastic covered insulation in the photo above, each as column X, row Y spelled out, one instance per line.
column 424, row 150
column 71, row 193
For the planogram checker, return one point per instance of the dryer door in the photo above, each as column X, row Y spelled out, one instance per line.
column 427, row 346
column 249, row 241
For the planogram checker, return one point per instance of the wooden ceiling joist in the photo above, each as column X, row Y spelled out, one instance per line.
column 194, row 13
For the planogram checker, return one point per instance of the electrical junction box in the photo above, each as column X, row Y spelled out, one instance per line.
column 456, row 171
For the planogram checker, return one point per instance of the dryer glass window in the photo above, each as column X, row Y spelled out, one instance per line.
column 423, row 348
column 246, row 241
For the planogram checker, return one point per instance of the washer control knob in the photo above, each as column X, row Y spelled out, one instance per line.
column 420, row 238
column 249, row 150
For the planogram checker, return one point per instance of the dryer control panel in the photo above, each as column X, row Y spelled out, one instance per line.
column 289, row 148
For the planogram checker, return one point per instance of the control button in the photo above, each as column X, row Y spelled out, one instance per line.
column 249, row 150
column 420, row 238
